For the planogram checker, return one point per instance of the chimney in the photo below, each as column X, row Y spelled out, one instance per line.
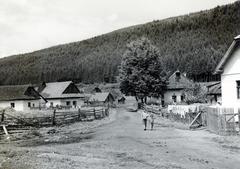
column 178, row 76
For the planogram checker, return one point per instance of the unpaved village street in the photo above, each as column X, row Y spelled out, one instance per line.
column 123, row 143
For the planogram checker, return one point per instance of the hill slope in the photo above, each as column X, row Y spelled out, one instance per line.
column 192, row 43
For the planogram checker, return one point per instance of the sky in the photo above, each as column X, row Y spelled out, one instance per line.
column 28, row 25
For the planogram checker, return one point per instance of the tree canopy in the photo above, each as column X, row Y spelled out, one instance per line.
column 141, row 70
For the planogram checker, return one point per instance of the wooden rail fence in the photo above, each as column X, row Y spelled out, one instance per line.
column 58, row 117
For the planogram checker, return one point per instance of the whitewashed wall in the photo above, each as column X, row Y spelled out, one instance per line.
column 168, row 96
column 63, row 102
column 228, row 81
column 20, row 105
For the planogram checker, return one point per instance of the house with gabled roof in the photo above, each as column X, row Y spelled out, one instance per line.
column 229, row 68
column 101, row 98
column 61, row 94
column 19, row 97
column 176, row 85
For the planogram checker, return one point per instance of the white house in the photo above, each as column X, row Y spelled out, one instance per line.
column 177, row 83
column 62, row 94
column 229, row 68
column 19, row 97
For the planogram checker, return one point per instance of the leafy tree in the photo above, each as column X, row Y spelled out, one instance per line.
column 141, row 71
column 196, row 94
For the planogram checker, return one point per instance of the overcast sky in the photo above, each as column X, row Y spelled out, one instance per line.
column 28, row 25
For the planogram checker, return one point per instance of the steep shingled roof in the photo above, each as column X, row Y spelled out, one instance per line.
column 101, row 97
column 18, row 92
column 56, row 90
column 182, row 83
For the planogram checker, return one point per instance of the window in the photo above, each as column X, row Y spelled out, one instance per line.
column 51, row 104
column 238, row 89
column 33, row 105
column 74, row 103
column 12, row 105
column 29, row 104
column 174, row 98
column 182, row 97
column 68, row 103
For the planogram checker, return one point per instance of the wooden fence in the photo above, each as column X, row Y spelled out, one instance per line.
column 223, row 121
column 57, row 117
column 194, row 118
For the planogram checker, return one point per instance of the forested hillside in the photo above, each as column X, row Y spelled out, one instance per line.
column 192, row 43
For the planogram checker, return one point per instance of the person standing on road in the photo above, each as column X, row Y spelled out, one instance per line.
column 144, row 117
column 151, row 120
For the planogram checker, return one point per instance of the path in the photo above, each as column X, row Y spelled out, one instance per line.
column 124, row 144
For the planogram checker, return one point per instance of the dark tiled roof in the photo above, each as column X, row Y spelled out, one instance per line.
column 182, row 83
column 17, row 92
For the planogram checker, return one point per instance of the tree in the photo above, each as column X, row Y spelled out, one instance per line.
column 196, row 94
column 141, row 70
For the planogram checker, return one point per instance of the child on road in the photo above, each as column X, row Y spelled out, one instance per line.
column 144, row 116
column 151, row 120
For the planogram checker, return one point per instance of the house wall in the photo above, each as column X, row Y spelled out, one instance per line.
column 54, row 102
column 168, row 96
column 80, row 102
column 20, row 105
column 228, row 80
column 63, row 102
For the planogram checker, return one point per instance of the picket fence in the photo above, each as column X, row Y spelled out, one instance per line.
column 219, row 120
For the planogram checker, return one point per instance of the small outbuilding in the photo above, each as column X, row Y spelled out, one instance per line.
column 214, row 93
column 101, row 98
column 121, row 100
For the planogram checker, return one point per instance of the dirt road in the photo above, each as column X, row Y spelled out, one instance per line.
column 124, row 144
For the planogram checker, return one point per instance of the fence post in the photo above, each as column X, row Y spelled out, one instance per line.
column 2, row 118
column 53, row 117
column 239, row 120
column 79, row 114
column 107, row 111
column 94, row 112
